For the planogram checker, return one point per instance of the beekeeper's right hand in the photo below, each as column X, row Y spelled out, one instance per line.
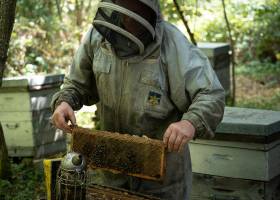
column 62, row 115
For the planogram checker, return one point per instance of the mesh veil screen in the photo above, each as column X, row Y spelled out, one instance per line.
column 129, row 27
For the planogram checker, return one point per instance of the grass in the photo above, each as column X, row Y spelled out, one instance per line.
column 262, row 103
column 26, row 182
column 258, row 85
column 265, row 73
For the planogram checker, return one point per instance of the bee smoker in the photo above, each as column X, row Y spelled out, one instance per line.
column 71, row 178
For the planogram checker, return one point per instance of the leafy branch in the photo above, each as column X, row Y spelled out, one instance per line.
column 181, row 14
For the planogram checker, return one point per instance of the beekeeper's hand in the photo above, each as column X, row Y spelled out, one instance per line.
column 178, row 134
column 62, row 115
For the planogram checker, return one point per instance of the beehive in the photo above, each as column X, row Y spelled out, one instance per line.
column 25, row 116
column 219, row 57
column 242, row 161
column 121, row 153
column 94, row 192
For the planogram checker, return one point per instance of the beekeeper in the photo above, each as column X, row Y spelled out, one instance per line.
column 149, row 80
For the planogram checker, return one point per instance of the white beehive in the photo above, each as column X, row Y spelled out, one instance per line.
column 25, row 113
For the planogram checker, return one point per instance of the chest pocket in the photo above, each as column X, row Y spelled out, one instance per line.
column 156, row 102
column 102, row 64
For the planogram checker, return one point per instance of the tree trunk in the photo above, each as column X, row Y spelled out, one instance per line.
column 232, row 47
column 59, row 9
column 5, row 169
column 79, row 5
column 7, row 18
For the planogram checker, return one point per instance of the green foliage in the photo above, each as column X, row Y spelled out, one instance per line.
column 255, row 25
column 272, row 103
column 46, row 34
column 190, row 9
column 261, row 88
column 26, row 182
column 44, row 42
column 85, row 119
column 260, row 71
column 267, row 31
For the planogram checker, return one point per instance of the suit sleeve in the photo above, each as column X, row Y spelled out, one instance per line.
column 195, row 88
column 79, row 87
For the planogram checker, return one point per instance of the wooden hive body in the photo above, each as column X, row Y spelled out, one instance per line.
column 94, row 192
column 242, row 161
column 25, row 116
column 219, row 57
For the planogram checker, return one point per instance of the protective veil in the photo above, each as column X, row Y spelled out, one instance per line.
column 128, row 25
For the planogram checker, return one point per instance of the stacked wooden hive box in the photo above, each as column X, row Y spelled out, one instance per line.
column 97, row 192
column 219, row 57
column 25, row 116
column 242, row 162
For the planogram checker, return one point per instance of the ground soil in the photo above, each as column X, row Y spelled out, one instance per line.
column 253, row 93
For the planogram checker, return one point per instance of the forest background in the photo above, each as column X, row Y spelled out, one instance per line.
column 47, row 32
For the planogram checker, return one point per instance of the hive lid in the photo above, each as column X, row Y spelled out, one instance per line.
column 31, row 82
column 213, row 49
column 253, row 122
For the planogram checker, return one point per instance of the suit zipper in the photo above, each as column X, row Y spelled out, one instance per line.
column 124, row 66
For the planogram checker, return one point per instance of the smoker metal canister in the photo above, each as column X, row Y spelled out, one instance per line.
column 71, row 178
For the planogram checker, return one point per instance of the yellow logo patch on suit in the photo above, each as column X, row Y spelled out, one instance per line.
column 154, row 98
